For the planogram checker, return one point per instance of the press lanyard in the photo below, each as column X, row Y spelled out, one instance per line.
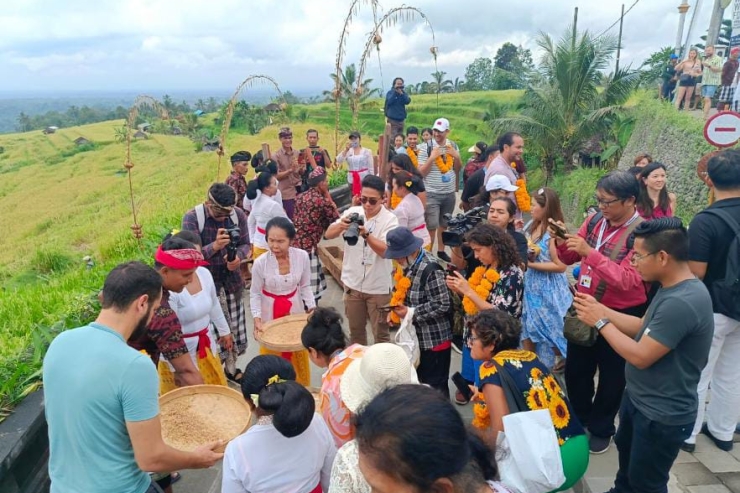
column 600, row 243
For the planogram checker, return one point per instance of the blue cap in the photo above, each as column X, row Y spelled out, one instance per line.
column 673, row 56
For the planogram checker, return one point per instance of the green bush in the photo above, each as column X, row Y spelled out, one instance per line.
column 576, row 190
column 51, row 261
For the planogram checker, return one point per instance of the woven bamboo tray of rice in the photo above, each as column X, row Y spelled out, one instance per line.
column 283, row 334
column 201, row 414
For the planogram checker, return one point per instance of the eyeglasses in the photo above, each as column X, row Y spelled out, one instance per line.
column 605, row 203
column 372, row 200
column 636, row 257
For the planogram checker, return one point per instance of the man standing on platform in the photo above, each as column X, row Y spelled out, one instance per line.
column 439, row 169
column 395, row 106
column 289, row 171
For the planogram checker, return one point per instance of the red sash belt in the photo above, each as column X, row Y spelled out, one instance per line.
column 357, row 181
column 317, row 489
column 261, row 231
column 203, row 341
column 419, row 228
column 282, row 304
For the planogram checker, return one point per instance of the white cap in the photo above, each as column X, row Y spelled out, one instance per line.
column 500, row 182
column 442, row 124
column 383, row 365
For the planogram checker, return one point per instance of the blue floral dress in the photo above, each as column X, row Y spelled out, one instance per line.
column 547, row 298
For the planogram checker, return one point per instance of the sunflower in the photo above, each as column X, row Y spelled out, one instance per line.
column 561, row 442
column 559, row 413
column 536, row 373
column 537, row 399
column 487, row 369
column 551, row 385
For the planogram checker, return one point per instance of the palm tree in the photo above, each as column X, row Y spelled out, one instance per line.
column 440, row 84
column 346, row 91
column 567, row 107
column 458, row 85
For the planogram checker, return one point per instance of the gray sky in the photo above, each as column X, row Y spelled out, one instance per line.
column 185, row 45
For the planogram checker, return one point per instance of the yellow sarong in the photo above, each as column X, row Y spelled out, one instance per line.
column 210, row 369
column 300, row 362
column 257, row 251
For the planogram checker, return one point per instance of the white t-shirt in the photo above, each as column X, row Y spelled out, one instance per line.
column 263, row 209
column 362, row 269
column 262, row 460
column 410, row 214
column 198, row 311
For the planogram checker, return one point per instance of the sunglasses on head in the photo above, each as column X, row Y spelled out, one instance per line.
column 372, row 200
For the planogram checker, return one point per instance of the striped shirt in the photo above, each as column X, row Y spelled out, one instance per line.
column 433, row 181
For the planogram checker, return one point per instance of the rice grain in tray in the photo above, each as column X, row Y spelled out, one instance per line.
column 200, row 414
column 284, row 333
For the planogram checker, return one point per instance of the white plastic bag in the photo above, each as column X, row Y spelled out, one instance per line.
column 528, row 454
column 407, row 339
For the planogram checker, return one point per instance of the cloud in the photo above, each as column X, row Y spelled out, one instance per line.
column 199, row 45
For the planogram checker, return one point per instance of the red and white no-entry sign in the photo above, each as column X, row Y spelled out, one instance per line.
column 723, row 129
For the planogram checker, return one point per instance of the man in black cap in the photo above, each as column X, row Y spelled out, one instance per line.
column 429, row 297
column 239, row 166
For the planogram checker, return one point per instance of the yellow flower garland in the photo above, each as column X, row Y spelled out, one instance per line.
column 523, row 200
column 399, row 293
column 395, row 200
column 482, row 282
column 444, row 165
column 413, row 156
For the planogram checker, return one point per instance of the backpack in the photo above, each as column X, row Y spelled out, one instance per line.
column 726, row 292
column 595, row 220
column 455, row 315
column 200, row 214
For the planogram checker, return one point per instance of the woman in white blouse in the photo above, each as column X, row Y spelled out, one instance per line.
column 259, row 167
column 264, row 208
column 289, row 449
column 281, row 285
column 410, row 211
column 359, row 162
column 199, row 311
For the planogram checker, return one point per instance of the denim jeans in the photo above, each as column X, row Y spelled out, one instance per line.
column 470, row 368
column 646, row 449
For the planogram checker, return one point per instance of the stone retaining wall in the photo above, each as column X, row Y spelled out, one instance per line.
column 24, row 448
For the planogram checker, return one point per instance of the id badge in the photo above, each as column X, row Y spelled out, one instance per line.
column 368, row 257
column 585, row 282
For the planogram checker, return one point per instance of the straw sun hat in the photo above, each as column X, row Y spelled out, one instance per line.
column 383, row 365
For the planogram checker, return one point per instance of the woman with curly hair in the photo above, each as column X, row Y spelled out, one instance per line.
column 495, row 341
column 498, row 283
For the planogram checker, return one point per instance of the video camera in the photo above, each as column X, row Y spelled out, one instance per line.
column 460, row 224
column 353, row 232
column 234, row 236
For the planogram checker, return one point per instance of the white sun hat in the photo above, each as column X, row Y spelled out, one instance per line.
column 500, row 182
column 383, row 365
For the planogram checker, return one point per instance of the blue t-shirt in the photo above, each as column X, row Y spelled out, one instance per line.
column 93, row 384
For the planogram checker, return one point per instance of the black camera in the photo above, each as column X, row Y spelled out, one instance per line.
column 234, row 235
column 353, row 232
column 460, row 224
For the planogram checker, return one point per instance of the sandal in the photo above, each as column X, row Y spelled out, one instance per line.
column 175, row 477
column 236, row 377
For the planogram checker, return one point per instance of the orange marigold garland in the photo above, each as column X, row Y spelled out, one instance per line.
column 395, row 200
column 482, row 282
column 444, row 163
column 399, row 293
column 481, row 418
column 413, row 156
column 523, row 200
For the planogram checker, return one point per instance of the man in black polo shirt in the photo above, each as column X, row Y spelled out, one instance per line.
column 664, row 351
column 711, row 237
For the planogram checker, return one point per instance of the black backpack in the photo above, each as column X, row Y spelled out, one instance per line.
column 726, row 292
column 456, row 315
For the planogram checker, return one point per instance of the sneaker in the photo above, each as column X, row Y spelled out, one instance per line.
column 688, row 447
column 460, row 399
column 725, row 445
column 443, row 256
column 457, row 344
column 599, row 445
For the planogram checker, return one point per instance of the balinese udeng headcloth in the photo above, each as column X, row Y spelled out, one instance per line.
column 184, row 259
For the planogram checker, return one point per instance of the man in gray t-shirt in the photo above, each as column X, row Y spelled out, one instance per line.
column 665, row 352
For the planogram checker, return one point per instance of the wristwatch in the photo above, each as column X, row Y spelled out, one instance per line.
column 600, row 324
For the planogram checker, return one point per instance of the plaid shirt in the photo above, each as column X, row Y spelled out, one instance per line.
column 163, row 335
column 231, row 281
column 431, row 304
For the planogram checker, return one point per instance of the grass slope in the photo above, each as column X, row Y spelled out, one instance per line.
column 61, row 202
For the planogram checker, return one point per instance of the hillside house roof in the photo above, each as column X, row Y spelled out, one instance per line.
column 272, row 108
column 140, row 135
column 80, row 141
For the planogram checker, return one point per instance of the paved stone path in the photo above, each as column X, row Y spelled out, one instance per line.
column 708, row 470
